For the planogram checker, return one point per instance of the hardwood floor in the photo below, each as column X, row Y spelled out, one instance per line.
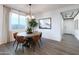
column 68, row 46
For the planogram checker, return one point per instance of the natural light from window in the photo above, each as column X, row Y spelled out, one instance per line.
column 17, row 21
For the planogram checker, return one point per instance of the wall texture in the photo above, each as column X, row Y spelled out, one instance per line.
column 4, row 25
column 76, row 32
column 1, row 22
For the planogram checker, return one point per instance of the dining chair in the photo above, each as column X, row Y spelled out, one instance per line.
column 41, row 37
column 36, row 39
column 20, row 40
column 15, row 35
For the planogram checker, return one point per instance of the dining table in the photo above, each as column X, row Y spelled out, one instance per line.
column 28, row 37
column 25, row 34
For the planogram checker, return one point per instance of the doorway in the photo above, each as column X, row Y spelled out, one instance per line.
column 68, row 26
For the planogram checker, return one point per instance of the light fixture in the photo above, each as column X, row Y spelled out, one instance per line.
column 30, row 13
column 30, row 17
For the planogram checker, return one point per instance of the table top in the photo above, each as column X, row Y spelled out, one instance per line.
column 28, row 35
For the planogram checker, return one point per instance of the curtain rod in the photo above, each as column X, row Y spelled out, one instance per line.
column 15, row 9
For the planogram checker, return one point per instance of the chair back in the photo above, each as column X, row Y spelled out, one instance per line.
column 36, row 38
column 15, row 35
column 40, row 34
column 20, row 39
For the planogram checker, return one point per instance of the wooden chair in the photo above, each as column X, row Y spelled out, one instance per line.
column 36, row 39
column 15, row 35
column 20, row 40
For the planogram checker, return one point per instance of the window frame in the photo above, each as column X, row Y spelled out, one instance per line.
column 10, row 25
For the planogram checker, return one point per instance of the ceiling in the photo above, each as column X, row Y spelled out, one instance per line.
column 36, row 8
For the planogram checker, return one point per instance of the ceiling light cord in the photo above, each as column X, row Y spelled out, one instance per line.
column 30, row 12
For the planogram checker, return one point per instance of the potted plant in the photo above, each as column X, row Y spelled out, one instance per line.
column 29, row 30
column 32, row 24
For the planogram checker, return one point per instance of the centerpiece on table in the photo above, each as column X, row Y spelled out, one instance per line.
column 31, row 25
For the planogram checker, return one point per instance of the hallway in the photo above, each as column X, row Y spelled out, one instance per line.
column 70, row 39
column 70, row 43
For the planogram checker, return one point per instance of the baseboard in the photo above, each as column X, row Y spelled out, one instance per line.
column 77, row 37
column 67, row 34
column 58, row 40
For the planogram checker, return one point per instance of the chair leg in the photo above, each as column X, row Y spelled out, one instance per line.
column 14, row 43
column 40, row 41
column 33, row 46
column 23, row 48
column 39, row 44
column 16, row 47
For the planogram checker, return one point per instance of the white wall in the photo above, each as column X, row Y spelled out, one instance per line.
column 76, row 33
column 4, row 25
column 1, row 22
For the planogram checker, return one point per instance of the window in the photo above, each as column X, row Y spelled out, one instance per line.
column 17, row 21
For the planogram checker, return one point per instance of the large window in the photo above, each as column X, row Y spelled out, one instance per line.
column 17, row 21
